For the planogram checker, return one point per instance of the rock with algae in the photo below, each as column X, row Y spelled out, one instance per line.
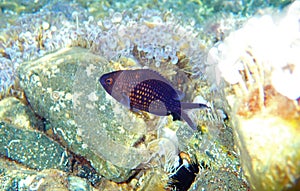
column 67, row 81
column 63, row 87
column 31, row 36
column 20, row 142
column 261, row 61
column 158, row 34
column 14, row 176
column 17, row 113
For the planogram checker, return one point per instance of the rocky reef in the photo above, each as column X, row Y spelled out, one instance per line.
column 59, row 129
column 261, row 62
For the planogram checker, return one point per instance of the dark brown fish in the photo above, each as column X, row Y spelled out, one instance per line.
column 147, row 90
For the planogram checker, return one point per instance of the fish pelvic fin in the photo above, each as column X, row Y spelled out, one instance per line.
column 176, row 116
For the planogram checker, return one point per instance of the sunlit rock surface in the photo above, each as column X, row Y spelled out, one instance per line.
column 261, row 61
column 48, row 84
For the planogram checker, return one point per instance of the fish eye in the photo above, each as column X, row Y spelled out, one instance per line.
column 109, row 81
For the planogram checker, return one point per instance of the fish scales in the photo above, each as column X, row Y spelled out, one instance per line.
column 147, row 90
column 153, row 96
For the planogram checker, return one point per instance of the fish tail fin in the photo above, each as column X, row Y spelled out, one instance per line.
column 189, row 121
column 185, row 105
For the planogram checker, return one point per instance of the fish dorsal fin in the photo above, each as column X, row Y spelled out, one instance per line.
column 155, row 75
column 179, row 95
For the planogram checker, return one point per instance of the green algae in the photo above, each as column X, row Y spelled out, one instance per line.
column 13, row 111
column 22, row 143
column 28, row 148
column 19, row 6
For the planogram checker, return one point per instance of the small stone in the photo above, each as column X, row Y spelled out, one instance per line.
column 174, row 59
column 117, row 17
column 21, row 145
column 157, row 64
column 45, row 25
column 107, row 24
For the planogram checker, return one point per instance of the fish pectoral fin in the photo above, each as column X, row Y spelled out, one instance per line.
column 158, row 107
column 134, row 110
column 125, row 100
column 189, row 121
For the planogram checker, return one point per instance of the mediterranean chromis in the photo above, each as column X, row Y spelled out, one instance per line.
column 147, row 90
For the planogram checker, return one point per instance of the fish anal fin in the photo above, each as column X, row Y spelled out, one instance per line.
column 134, row 110
column 158, row 107
column 189, row 121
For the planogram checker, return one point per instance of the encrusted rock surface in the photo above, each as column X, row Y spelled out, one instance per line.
column 48, row 83
column 22, row 143
column 14, row 176
column 261, row 63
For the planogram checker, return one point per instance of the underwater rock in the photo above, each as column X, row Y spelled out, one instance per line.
column 226, row 180
column 13, row 111
column 261, row 63
column 14, row 176
column 20, row 142
column 63, row 88
column 28, row 148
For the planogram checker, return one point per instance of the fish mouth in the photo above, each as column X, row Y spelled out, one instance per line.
column 102, row 79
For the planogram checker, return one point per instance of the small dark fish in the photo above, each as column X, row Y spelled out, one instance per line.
column 183, row 173
column 147, row 90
